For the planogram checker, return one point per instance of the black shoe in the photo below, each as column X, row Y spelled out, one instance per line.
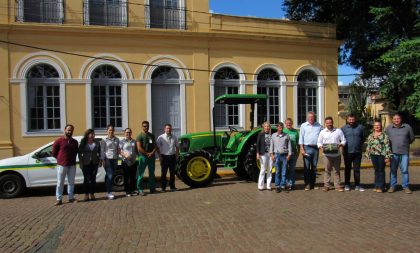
column 163, row 190
column 152, row 191
column 174, row 189
column 278, row 189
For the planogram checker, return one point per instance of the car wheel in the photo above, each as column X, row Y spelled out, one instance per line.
column 118, row 181
column 11, row 186
column 197, row 169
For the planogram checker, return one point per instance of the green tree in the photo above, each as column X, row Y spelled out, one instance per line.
column 378, row 38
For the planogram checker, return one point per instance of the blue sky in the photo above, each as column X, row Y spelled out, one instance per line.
column 265, row 9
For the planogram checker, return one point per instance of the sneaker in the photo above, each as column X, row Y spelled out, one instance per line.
column 379, row 191
column 135, row 193
column 347, row 188
column 278, row 189
column 359, row 188
column 58, row 202
column 261, row 189
column 73, row 200
column 110, row 196
column 407, row 190
column 307, row 188
column 339, row 189
column 283, row 188
column 391, row 190
column 141, row 193
column 325, row 189
column 128, row 195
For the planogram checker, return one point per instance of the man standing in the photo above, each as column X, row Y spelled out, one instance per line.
column 308, row 137
column 146, row 146
column 291, row 164
column 400, row 136
column 352, row 152
column 168, row 149
column 65, row 150
column 280, row 150
column 329, row 141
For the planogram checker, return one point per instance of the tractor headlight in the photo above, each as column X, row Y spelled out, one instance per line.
column 184, row 145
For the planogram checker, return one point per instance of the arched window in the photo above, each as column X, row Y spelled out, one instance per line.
column 269, row 84
column 307, row 94
column 106, row 91
column 226, row 82
column 166, row 100
column 43, row 98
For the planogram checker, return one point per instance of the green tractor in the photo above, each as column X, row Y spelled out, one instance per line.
column 201, row 153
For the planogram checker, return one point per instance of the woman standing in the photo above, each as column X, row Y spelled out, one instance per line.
column 129, row 155
column 110, row 150
column 90, row 160
column 263, row 155
column 379, row 152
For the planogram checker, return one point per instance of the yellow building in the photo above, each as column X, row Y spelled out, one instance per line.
column 92, row 63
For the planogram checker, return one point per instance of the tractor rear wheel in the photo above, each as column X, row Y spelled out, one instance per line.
column 197, row 169
column 253, row 166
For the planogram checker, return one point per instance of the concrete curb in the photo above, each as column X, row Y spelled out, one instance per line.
column 226, row 172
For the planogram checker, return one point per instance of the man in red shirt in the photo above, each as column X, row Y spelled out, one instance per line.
column 65, row 151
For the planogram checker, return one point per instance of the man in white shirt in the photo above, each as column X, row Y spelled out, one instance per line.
column 330, row 140
column 168, row 150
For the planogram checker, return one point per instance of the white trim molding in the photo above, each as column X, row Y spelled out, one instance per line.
column 19, row 77
column 184, row 78
column 242, row 81
column 320, row 90
column 282, row 89
column 85, row 74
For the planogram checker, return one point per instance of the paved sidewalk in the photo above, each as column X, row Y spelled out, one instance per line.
column 229, row 216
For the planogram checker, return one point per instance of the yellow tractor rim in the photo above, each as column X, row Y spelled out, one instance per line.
column 273, row 169
column 199, row 168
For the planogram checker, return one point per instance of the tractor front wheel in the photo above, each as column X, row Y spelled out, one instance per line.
column 253, row 166
column 197, row 169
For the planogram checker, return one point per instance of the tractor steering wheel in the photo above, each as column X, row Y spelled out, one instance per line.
column 233, row 129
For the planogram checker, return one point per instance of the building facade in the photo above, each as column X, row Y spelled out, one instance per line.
column 94, row 63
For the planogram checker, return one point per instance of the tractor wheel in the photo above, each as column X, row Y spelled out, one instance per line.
column 197, row 169
column 252, row 165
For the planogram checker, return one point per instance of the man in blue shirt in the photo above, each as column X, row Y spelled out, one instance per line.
column 352, row 152
column 308, row 138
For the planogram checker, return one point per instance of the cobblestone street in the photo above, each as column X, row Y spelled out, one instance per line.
column 229, row 216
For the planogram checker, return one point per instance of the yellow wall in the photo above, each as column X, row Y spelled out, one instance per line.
column 207, row 42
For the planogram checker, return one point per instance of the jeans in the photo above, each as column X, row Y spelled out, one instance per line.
column 129, row 176
column 291, row 170
column 89, row 178
column 378, row 162
column 62, row 172
column 352, row 161
column 266, row 165
column 402, row 162
column 168, row 162
column 310, row 161
column 110, row 167
column 150, row 163
column 280, row 162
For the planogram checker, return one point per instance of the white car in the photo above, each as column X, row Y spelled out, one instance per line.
column 38, row 168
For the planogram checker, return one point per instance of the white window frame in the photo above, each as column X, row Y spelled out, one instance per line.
column 320, row 85
column 241, row 82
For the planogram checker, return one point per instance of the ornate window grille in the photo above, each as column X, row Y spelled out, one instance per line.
column 41, row 11
column 307, row 94
column 268, row 83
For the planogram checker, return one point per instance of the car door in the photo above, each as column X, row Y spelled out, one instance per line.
column 42, row 167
